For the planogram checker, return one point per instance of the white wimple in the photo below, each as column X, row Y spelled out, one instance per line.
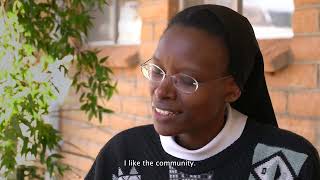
column 229, row 134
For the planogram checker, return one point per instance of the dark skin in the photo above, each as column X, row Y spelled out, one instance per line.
column 201, row 115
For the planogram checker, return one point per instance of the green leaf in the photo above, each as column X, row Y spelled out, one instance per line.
column 105, row 110
column 100, row 116
column 85, row 107
column 91, row 114
column 82, row 96
column 102, row 60
column 42, row 31
column 57, row 156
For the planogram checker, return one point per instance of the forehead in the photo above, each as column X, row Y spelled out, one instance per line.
column 192, row 49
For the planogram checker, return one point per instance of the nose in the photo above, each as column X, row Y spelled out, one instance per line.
column 165, row 89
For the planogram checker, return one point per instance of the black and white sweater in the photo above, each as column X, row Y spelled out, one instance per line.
column 254, row 152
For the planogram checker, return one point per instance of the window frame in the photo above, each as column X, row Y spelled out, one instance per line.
column 239, row 5
column 240, row 10
column 114, row 19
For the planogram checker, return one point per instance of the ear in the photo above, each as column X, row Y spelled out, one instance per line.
column 232, row 91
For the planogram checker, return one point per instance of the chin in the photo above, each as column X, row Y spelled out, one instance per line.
column 164, row 130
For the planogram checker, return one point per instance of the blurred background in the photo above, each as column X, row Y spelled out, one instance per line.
column 128, row 31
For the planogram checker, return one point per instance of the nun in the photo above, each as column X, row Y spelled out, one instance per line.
column 211, row 110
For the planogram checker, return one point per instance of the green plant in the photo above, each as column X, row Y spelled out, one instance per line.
column 39, row 37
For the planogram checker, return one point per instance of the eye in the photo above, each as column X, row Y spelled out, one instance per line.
column 155, row 72
column 185, row 83
column 186, row 80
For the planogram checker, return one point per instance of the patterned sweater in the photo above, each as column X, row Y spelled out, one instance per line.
column 262, row 152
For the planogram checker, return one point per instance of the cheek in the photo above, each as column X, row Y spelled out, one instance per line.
column 203, row 105
column 195, row 106
column 152, row 89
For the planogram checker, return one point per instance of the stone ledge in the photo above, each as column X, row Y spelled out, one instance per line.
column 276, row 54
column 120, row 56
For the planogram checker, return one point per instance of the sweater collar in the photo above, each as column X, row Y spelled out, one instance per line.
column 232, row 130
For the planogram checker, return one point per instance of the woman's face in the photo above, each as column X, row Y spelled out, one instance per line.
column 193, row 52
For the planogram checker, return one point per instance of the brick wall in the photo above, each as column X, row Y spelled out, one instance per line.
column 295, row 89
column 294, row 84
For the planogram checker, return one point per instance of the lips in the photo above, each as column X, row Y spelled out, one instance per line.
column 161, row 108
column 164, row 113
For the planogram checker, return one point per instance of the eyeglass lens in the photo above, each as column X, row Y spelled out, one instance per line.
column 181, row 81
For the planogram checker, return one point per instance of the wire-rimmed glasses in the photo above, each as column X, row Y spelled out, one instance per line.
column 181, row 81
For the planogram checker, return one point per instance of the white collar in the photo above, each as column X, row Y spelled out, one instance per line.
column 229, row 134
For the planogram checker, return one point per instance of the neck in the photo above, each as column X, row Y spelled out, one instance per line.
column 197, row 140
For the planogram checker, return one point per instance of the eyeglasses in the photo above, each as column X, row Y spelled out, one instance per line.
column 181, row 81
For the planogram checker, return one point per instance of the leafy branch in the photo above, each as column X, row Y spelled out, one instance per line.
column 37, row 40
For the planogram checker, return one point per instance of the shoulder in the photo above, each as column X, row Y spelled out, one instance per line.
column 280, row 137
column 122, row 146
column 289, row 150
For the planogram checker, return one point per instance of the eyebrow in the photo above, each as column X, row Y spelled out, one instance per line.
column 191, row 72
column 155, row 58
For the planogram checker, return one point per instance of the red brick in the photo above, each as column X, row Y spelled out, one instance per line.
column 74, row 174
column 114, row 103
column 173, row 8
column 74, row 115
column 72, row 99
column 299, row 3
column 306, row 20
column 159, row 29
column 147, row 32
column 71, row 108
column 70, row 147
column 77, row 115
column 85, row 132
column 81, row 147
column 154, row 10
column 306, row 48
column 143, row 121
column 80, row 116
column 279, row 101
column 120, row 123
column 125, row 88
column 142, row 87
column 317, row 146
column 147, row 50
column 77, row 161
column 304, row 103
column 135, row 106
column 129, row 74
column 303, row 127
column 294, row 76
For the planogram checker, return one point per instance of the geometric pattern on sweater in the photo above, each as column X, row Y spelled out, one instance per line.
column 133, row 175
column 270, row 162
column 174, row 174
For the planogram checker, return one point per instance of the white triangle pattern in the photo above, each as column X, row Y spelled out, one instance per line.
column 120, row 173
column 133, row 175
column 114, row 177
column 133, row 171
column 268, row 169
